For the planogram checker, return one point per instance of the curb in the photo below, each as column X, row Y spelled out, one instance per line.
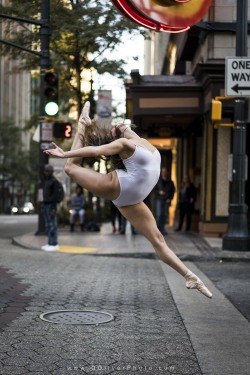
column 17, row 241
column 210, row 253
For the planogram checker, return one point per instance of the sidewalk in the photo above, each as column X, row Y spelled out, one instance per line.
column 188, row 246
column 159, row 327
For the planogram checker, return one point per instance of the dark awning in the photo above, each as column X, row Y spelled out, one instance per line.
column 161, row 102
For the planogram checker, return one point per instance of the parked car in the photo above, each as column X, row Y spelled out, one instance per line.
column 26, row 208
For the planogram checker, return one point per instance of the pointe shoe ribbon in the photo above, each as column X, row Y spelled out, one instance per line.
column 84, row 119
column 193, row 282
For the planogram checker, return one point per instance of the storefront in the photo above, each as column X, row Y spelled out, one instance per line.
column 174, row 113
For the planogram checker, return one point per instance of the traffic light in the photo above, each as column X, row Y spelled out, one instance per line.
column 222, row 111
column 51, row 107
column 216, row 110
column 62, row 130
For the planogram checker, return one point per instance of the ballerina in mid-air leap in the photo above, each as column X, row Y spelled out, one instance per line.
column 137, row 169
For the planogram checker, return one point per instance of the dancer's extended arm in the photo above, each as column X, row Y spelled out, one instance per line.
column 113, row 148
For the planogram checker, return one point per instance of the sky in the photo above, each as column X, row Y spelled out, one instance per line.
column 129, row 49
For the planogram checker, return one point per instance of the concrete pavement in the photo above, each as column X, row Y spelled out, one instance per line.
column 159, row 326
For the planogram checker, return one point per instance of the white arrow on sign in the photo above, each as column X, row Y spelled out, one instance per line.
column 237, row 76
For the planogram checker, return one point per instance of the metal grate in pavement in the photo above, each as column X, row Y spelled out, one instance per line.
column 77, row 317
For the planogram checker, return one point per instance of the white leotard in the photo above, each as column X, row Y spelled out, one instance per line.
column 141, row 175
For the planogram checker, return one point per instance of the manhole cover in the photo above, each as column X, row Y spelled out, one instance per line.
column 77, row 317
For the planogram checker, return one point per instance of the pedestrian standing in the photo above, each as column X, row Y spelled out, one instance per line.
column 115, row 214
column 124, row 226
column 165, row 190
column 77, row 205
column 187, row 198
column 50, row 200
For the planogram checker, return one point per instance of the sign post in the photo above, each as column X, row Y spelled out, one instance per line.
column 238, row 84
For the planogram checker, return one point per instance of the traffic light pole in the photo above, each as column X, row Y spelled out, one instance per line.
column 45, row 63
column 237, row 237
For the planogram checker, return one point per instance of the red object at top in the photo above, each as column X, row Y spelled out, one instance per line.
column 172, row 16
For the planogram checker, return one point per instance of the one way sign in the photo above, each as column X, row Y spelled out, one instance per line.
column 237, row 76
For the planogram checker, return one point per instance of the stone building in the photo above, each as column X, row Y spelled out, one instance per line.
column 15, row 89
column 171, row 105
column 15, row 107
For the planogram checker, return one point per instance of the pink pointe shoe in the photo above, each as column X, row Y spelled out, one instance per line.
column 193, row 282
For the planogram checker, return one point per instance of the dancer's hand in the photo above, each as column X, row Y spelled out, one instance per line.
column 84, row 119
column 57, row 151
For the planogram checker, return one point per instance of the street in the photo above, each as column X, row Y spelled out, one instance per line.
column 232, row 278
column 16, row 225
column 159, row 327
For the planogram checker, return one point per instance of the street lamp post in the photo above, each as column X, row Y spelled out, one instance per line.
column 237, row 237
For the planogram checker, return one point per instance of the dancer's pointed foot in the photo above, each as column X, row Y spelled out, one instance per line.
column 193, row 282
column 84, row 120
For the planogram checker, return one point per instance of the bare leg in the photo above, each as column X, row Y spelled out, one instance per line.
column 143, row 220
column 78, row 142
column 104, row 185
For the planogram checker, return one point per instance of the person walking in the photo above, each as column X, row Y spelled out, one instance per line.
column 165, row 190
column 50, row 208
column 136, row 171
column 77, row 204
column 187, row 198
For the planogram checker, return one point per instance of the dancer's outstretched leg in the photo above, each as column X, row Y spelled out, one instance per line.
column 79, row 139
column 104, row 185
column 143, row 220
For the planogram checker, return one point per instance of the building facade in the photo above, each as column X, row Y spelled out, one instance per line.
column 171, row 104
column 15, row 108
column 15, row 90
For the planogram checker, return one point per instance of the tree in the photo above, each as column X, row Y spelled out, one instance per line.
column 9, row 141
column 82, row 34
column 15, row 163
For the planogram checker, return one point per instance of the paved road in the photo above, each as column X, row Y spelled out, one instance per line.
column 16, row 225
column 233, row 279
column 148, row 335
column 159, row 326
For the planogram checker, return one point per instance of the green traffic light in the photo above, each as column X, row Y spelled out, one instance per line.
column 50, row 93
column 51, row 108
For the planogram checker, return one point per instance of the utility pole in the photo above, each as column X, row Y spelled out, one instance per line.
column 45, row 63
column 237, row 237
